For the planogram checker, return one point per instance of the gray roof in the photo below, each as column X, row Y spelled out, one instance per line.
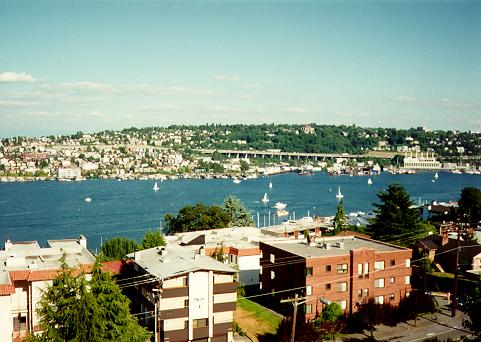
column 172, row 261
column 348, row 243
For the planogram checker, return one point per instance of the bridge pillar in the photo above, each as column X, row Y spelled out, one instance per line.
column 237, row 156
column 245, row 156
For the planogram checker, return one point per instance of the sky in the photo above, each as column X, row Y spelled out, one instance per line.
column 73, row 65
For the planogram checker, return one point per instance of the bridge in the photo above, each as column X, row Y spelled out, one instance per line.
column 280, row 155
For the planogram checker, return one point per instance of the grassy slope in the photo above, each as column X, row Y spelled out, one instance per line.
column 255, row 319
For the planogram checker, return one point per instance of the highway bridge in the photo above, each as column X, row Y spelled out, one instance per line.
column 279, row 154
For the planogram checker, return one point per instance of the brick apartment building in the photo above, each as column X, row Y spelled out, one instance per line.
column 347, row 270
column 193, row 295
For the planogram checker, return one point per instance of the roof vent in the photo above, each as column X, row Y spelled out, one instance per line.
column 196, row 256
column 340, row 244
column 327, row 246
column 162, row 250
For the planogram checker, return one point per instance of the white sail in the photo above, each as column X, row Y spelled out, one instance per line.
column 270, row 185
column 369, row 181
column 265, row 199
column 156, row 187
column 339, row 195
column 436, row 176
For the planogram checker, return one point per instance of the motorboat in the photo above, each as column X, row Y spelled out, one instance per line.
column 280, row 205
column 281, row 213
column 88, row 199
column 236, row 181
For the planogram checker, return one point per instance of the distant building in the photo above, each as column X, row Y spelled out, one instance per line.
column 307, row 129
column 347, row 270
column 194, row 295
column 69, row 173
column 425, row 162
column 25, row 270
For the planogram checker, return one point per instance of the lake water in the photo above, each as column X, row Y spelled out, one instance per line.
column 57, row 210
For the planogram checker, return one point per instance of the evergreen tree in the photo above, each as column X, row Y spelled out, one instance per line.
column 118, row 248
column 340, row 218
column 152, row 239
column 395, row 216
column 472, row 309
column 238, row 213
column 470, row 205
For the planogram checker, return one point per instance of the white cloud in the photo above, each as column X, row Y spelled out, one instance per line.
column 405, row 99
column 228, row 78
column 16, row 77
column 298, row 110
column 451, row 103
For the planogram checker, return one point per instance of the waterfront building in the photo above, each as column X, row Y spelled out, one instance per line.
column 25, row 270
column 184, row 296
column 343, row 269
column 425, row 162
column 69, row 173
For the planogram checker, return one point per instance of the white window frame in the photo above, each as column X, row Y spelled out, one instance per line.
column 408, row 262
column 379, row 300
column 272, row 258
column 341, row 287
column 379, row 265
column 273, row 275
column 407, row 280
column 379, row 282
column 308, row 290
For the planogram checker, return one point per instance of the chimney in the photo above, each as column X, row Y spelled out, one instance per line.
column 316, row 231
column 202, row 250
column 83, row 241
column 296, row 234
column 8, row 245
column 444, row 237
column 136, row 255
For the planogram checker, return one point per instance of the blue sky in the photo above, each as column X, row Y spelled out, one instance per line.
column 89, row 65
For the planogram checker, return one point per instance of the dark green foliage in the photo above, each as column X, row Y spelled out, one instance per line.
column 118, row 248
column 305, row 331
column 340, row 218
column 332, row 312
column 370, row 315
column 238, row 213
column 472, row 308
column 152, row 239
column 395, row 217
column 73, row 309
column 470, row 205
column 244, row 166
column 198, row 217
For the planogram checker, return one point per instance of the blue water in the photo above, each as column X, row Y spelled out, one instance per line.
column 56, row 210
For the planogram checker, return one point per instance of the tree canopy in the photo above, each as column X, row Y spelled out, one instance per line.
column 74, row 309
column 470, row 205
column 395, row 216
column 239, row 215
column 152, row 238
column 340, row 218
column 117, row 248
column 472, row 308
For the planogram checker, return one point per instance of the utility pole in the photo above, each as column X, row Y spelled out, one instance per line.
column 295, row 302
column 454, row 304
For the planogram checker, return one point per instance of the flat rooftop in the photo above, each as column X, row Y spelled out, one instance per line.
column 291, row 226
column 348, row 243
column 171, row 261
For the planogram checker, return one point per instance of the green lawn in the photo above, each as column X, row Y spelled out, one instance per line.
column 259, row 312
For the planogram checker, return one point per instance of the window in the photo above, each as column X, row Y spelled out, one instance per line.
column 391, row 296
column 186, row 303
column 273, row 275
column 260, row 285
column 408, row 280
column 379, row 300
column 308, row 290
column 342, row 268
column 366, row 270
column 328, row 268
column 392, row 262
column 379, row 265
column 260, row 270
column 408, row 262
column 186, row 324
column 366, row 292
column 359, row 293
column 19, row 323
column 342, row 287
column 200, row 323
column 308, row 271
column 342, row 304
column 328, row 287
column 308, row 308
column 185, row 281
column 392, row 280
column 379, row 282
column 359, row 270
column 272, row 258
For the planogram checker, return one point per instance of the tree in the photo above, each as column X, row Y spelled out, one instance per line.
column 238, row 213
column 395, row 216
column 470, row 205
column 198, row 217
column 370, row 315
column 340, row 218
column 74, row 309
column 244, row 166
column 118, row 248
column 472, row 308
column 152, row 239
column 332, row 312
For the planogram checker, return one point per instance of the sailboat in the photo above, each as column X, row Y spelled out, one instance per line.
column 265, row 199
column 156, row 187
column 436, row 176
column 369, row 181
column 339, row 195
column 270, row 185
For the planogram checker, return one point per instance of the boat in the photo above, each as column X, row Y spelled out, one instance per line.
column 270, row 185
column 280, row 205
column 236, row 181
column 281, row 213
column 369, row 181
column 88, row 199
column 436, row 176
column 305, row 173
column 339, row 195
column 456, row 172
column 156, row 187
column 265, row 199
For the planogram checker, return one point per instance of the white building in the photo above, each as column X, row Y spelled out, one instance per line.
column 69, row 173
column 193, row 297
column 25, row 270
column 425, row 162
